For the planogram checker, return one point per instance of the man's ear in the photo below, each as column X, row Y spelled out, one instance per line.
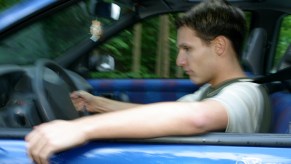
column 220, row 44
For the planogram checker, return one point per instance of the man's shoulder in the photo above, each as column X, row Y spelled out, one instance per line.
column 245, row 88
column 243, row 84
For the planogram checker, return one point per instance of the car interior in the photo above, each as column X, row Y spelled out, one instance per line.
column 253, row 60
column 47, row 50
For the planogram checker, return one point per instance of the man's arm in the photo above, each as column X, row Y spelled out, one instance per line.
column 155, row 120
column 107, row 105
column 97, row 104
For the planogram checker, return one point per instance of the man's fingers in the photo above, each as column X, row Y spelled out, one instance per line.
column 75, row 95
column 36, row 142
column 77, row 100
column 36, row 152
column 45, row 153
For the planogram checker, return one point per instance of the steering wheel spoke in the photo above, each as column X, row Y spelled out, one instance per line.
column 52, row 86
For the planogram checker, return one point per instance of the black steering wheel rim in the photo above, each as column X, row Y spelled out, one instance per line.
column 44, row 106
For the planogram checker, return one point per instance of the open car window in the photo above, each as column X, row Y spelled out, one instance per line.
column 151, row 41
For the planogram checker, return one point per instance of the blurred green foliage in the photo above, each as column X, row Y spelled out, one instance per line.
column 4, row 4
column 121, row 48
column 284, row 38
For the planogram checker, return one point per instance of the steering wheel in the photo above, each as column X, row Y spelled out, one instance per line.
column 52, row 86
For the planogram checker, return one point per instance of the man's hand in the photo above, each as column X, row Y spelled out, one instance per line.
column 52, row 137
column 84, row 100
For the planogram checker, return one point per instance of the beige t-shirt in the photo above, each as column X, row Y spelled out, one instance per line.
column 244, row 103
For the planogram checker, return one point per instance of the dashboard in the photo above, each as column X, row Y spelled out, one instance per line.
column 9, row 77
column 18, row 101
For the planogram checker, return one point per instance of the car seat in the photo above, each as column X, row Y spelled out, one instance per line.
column 281, row 106
column 281, row 101
column 254, row 51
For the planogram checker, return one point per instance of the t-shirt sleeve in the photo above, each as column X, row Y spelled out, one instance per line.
column 244, row 105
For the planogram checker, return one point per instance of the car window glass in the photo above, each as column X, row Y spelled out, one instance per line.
column 284, row 39
column 52, row 36
column 48, row 38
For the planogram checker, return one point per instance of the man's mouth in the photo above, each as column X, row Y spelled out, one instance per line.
column 187, row 71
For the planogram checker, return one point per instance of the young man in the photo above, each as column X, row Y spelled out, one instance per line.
column 210, row 37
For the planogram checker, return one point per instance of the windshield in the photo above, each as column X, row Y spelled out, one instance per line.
column 53, row 35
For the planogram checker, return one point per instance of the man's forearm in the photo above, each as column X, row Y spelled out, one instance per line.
column 141, row 122
column 106, row 104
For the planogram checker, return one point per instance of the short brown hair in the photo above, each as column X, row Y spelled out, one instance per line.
column 212, row 18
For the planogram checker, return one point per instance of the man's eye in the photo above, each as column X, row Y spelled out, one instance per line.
column 186, row 49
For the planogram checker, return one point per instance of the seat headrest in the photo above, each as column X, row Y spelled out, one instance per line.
column 254, row 51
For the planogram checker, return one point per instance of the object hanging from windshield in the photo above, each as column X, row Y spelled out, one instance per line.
column 95, row 30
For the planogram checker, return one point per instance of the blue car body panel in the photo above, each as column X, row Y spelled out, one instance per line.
column 143, row 90
column 12, row 151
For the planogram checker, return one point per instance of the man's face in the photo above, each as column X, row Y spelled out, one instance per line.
column 195, row 56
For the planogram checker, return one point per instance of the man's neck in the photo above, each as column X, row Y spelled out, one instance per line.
column 227, row 75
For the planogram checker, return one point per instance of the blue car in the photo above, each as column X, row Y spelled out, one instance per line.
column 49, row 48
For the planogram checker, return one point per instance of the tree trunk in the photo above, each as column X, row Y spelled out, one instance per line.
column 163, row 59
column 136, row 51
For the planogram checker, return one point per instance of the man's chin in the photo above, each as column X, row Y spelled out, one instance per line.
column 197, row 81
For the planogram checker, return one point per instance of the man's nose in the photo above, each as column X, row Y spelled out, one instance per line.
column 180, row 60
